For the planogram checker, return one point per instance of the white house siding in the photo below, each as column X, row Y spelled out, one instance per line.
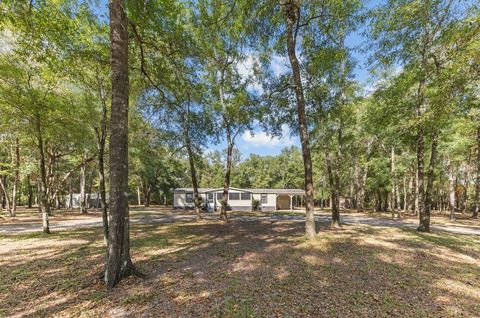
column 235, row 205
column 271, row 204
column 180, row 200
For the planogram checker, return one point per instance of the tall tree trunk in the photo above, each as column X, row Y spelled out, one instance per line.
column 16, row 179
column 226, row 183
column 415, row 197
column 101, row 133
column 6, row 198
column 385, row 200
column 466, row 178
column 193, row 174
column 411, row 194
column 83, row 195
column 425, row 220
column 44, row 203
column 70, row 195
column 333, row 183
column 147, row 196
column 451, row 190
column 139, row 198
column 118, row 262
column 356, row 183
column 361, row 192
column 476, row 206
column 30, row 192
column 292, row 19
column 379, row 201
column 394, row 194
column 146, row 192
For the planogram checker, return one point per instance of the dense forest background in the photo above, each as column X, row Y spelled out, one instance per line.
column 411, row 141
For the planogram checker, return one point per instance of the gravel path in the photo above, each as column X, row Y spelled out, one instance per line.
column 12, row 228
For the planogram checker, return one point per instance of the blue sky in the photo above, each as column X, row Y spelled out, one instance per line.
column 257, row 141
column 261, row 143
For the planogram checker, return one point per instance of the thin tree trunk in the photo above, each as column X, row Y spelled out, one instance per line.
column 70, row 195
column 385, row 201
column 226, row 183
column 451, row 190
column 146, row 193
column 43, row 192
column 83, row 195
column 193, row 174
column 292, row 19
column 394, row 194
column 415, row 198
column 411, row 193
column 5, row 194
column 118, row 262
column 30, row 192
column 332, row 180
column 466, row 177
column 191, row 157
column 139, row 199
column 147, row 196
column 363, row 183
column 16, row 179
column 425, row 220
column 101, row 133
column 476, row 206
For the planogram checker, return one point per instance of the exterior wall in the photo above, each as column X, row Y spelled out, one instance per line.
column 235, row 205
column 238, row 205
column 180, row 200
column 274, row 200
column 271, row 204
column 93, row 200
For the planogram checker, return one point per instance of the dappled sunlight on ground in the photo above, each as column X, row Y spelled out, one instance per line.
column 245, row 269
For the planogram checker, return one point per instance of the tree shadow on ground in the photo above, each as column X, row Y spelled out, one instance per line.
column 250, row 269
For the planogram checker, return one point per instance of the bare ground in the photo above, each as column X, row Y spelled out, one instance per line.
column 29, row 220
column 245, row 268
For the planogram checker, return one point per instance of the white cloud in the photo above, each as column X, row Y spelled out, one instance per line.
column 263, row 139
column 246, row 70
column 279, row 65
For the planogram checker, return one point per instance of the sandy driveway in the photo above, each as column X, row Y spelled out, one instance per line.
column 155, row 218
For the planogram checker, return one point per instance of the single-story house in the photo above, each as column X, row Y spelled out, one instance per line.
column 240, row 199
column 93, row 200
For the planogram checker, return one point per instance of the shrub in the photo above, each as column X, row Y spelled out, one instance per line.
column 255, row 205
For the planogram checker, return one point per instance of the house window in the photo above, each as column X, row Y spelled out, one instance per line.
column 234, row 196
column 219, row 196
column 264, row 198
column 246, row 196
column 210, row 197
column 189, row 197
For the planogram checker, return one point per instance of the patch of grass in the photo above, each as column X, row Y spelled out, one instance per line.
column 69, row 284
column 236, row 308
column 97, row 296
column 150, row 241
column 138, row 299
column 246, row 269
column 21, row 274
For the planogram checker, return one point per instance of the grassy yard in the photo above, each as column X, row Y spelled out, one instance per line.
column 245, row 269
